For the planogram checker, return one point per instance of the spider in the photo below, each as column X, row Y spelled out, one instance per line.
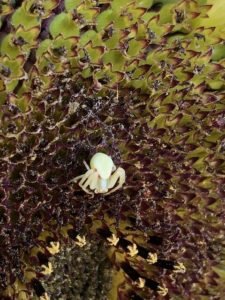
column 99, row 175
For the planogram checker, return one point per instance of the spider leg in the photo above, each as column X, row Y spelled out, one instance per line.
column 119, row 174
column 77, row 178
column 94, row 182
column 86, row 165
column 86, row 176
column 90, row 181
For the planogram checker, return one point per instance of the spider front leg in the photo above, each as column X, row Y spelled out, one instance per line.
column 91, row 181
column 86, row 165
column 119, row 174
column 83, row 176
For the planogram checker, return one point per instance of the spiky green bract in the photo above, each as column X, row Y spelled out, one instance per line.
column 139, row 81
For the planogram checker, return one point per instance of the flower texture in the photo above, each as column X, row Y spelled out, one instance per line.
column 143, row 82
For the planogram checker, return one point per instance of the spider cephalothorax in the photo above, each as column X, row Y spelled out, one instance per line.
column 99, row 175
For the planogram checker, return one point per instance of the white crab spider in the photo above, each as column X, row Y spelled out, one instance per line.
column 99, row 177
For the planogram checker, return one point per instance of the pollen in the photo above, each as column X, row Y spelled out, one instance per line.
column 152, row 258
column 180, row 268
column 45, row 297
column 54, row 248
column 133, row 251
column 141, row 283
column 47, row 270
column 81, row 241
column 162, row 290
column 113, row 240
